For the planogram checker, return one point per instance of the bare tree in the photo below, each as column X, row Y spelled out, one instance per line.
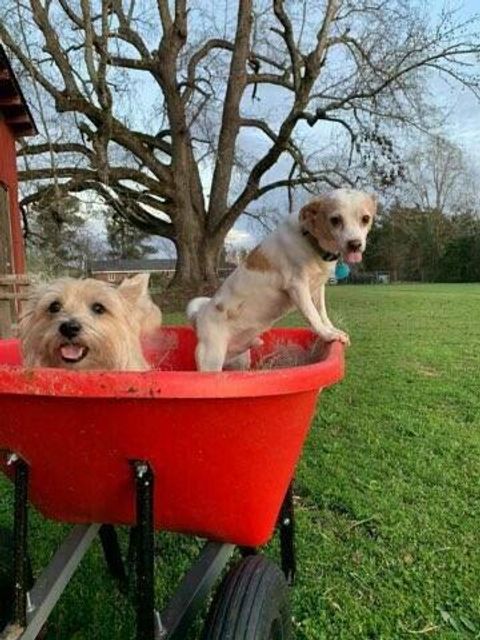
column 440, row 178
column 281, row 70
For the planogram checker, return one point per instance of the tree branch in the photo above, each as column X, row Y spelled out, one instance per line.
column 230, row 125
column 395, row 76
column 287, row 34
column 278, row 184
column 56, row 147
column 313, row 66
column 270, row 78
column 197, row 57
column 115, row 174
column 53, row 45
column 165, row 16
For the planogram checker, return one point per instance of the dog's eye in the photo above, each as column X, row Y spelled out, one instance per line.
column 365, row 219
column 55, row 307
column 336, row 221
column 98, row 308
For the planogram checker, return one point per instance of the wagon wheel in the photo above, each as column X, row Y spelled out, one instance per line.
column 6, row 576
column 250, row 604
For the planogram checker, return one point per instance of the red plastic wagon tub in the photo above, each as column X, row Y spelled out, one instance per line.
column 223, row 446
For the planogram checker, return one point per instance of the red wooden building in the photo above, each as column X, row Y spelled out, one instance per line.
column 15, row 121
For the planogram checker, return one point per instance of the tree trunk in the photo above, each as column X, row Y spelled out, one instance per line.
column 198, row 256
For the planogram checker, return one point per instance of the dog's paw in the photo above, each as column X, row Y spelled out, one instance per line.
column 331, row 335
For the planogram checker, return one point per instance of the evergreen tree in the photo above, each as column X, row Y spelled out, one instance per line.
column 57, row 237
column 125, row 240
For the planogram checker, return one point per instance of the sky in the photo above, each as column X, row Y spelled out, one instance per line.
column 461, row 108
column 462, row 123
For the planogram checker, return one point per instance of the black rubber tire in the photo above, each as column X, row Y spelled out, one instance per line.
column 6, row 576
column 252, row 603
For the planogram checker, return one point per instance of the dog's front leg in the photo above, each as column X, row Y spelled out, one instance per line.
column 300, row 295
column 322, row 308
column 324, row 316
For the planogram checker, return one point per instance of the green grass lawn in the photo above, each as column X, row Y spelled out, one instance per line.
column 388, row 488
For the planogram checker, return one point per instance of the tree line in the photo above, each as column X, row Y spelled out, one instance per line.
column 182, row 122
column 425, row 245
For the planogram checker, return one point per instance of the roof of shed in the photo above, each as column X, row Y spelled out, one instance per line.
column 123, row 266
column 13, row 106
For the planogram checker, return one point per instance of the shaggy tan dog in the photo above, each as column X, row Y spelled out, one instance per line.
column 88, row 324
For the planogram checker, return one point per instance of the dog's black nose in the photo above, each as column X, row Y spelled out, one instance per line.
column 354, row 245
column 70, row 329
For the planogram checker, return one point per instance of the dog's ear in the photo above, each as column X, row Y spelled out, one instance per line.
column 372, row 200
column 318, row 208
column 27, row 311
column 132, row 289
column 313, row 216
column 35, row 294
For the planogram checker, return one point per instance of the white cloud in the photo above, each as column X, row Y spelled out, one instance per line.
column 240, row 238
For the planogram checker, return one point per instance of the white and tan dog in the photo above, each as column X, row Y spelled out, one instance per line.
column 88, row 324
column 288, row 269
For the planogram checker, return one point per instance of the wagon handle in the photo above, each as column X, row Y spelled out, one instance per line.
column 144, row 537
column 20, row 533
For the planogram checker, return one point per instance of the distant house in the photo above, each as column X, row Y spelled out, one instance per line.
column 115, row 271
column 367, row 277
column 383, row 277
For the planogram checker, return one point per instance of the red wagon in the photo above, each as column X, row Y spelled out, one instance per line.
column 207, row 454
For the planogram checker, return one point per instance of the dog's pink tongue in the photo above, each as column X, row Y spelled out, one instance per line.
column 71, row 351
column 353, row 256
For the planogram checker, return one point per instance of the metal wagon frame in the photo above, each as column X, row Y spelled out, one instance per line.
column 33, row 603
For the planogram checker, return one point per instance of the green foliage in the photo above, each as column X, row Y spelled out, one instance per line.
column 125, row 240
column 57, row 239
column 457, row 265
column 60, row 241
column 387, row 489
column 426, row 246
column 461, row 259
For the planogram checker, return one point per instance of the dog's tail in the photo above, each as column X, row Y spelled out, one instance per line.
column 193, row 308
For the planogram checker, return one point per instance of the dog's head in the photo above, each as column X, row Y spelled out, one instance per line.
column 340, row 221
column 87, row 324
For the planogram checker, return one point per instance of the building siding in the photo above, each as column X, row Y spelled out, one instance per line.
column 8, row 176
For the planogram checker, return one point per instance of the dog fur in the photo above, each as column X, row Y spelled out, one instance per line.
column 288, row 269
column 88, row 324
